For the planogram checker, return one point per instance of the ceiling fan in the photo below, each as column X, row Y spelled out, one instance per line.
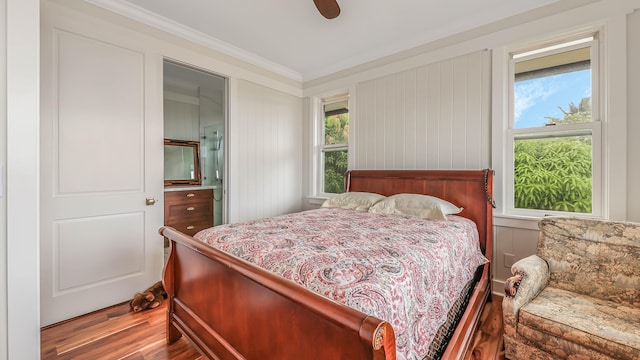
column 328, row 8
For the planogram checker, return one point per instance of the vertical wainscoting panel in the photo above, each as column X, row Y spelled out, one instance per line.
column 265, row 158
column 433, row 117
column 511, row 244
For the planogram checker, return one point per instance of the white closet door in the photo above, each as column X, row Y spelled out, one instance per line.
column 101, row 158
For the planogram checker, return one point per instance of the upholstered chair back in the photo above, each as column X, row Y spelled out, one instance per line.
column 595, row 258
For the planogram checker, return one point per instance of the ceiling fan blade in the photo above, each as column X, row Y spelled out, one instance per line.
column 328, row 8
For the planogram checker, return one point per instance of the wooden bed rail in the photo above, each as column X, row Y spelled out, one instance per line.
column 222, row 330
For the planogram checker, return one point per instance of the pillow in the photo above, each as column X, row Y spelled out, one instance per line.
column 360, row 201
column 416, row 205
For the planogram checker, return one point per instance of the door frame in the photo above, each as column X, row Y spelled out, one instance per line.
column 22, row 53
column 225, row 114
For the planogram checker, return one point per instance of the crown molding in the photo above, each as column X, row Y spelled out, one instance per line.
column 154, row 20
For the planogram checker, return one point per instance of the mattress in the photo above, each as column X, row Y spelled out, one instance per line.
column 407, row 271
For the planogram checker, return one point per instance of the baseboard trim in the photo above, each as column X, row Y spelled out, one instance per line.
column 497, row 287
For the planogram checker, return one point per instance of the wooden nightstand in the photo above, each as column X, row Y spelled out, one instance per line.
column 188, row 211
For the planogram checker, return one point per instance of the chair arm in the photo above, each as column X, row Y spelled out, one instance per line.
column 530, row 276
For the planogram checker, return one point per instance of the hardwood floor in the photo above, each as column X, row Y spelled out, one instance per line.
column 116, row 333
column 488, row 338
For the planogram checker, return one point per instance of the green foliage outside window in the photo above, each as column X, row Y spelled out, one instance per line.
column 336, row 131
column 555, row 174
column 335, row 168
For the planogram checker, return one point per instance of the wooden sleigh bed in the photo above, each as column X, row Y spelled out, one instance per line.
column 231, row 309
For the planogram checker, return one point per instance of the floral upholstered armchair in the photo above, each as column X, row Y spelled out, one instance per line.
column 579, row 296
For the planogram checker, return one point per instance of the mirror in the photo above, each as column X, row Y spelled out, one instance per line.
column 181, row 162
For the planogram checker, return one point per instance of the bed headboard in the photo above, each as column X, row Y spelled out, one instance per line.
column 470, row 189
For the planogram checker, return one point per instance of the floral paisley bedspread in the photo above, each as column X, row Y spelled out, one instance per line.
column 406, row 271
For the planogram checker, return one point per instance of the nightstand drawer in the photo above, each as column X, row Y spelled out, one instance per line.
column 185, row 196
column 190, row 210
column 191, row 227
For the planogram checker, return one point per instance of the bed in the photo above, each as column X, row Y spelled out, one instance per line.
column 230, row 308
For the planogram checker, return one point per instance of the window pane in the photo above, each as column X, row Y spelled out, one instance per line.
column 553, row 89
column 336, row 123
column 553, row 174
column 335, row 169
column 336, row 129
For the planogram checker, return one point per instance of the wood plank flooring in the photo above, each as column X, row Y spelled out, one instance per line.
column 116, row 333
column 488, row 338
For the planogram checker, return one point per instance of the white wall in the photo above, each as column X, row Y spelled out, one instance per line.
column 431, row 117
column 3, row 166
column 265, row 160
column 20, row 312
column 387, row 104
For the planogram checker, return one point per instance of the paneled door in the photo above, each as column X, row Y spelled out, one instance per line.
column 101, row 172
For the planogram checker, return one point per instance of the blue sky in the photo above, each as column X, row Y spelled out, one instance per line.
column 537, row 98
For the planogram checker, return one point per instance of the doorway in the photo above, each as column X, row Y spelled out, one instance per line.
column 195, row 110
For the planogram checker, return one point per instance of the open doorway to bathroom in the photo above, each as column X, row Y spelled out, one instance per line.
column 195, row 110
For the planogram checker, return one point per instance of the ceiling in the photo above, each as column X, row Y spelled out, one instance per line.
column 293, row 39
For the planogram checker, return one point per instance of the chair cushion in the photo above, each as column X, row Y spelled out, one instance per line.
column 604, row 326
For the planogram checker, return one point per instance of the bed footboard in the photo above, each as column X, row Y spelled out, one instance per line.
column 231, row 309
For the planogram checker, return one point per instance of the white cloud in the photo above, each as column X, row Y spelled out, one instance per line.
column 528, row 93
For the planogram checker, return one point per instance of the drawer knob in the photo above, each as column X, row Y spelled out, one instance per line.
column 190, row 227
column 190, row 208
column 191, row 195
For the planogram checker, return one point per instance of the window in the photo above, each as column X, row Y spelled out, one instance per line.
column 332, row 145
column 554, row 129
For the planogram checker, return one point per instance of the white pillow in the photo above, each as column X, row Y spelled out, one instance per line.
column 360, row 201
column 422, row 206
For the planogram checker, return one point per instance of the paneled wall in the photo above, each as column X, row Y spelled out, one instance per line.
column 511, row 243
column 265, row 163
column 431, row 117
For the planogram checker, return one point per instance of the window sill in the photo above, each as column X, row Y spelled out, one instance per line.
column 529, row 221
column 315, row 200
column 516, row 221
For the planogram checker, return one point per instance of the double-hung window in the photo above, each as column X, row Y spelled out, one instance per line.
column 332, row 145
column 554, row 135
